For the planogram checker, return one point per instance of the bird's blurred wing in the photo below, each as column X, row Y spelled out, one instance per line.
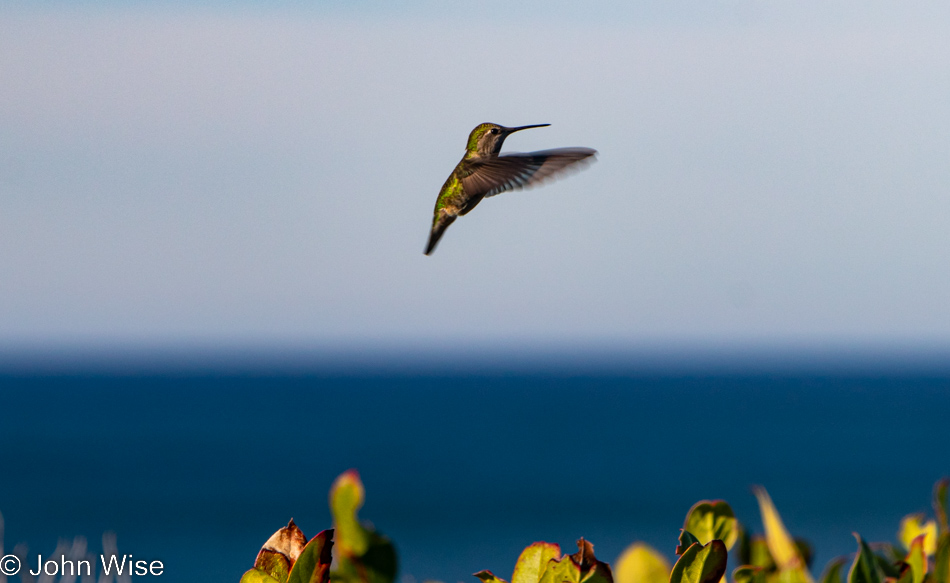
column 513, row 171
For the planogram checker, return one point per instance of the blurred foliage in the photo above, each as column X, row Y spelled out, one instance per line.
column 787, row 555
column 354, row 550
column 287, row 557
column 542, row 563
column 916, row 525
column 701, row 563
column 362, row 555
column 642, row 563
column 710, row 520
column 920, row 554
column 359, row 554
column 940, row 505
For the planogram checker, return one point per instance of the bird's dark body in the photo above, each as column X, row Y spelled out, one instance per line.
column 483, row 172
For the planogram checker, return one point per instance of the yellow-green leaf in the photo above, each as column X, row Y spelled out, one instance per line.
column 793, row 576
column 701, row 564
column 275, row 564
column 712, row 519
column 749, row 574
column 906, row 574
column 641, row 563
column 756, row 552
column 361, row 554
column 563, row 570
column 346, row 498
column 489, row 577
column 912, row 526
column 533, row 561
column 257, row 576
column 864, row 567
column 917, row 559
column 781, row 545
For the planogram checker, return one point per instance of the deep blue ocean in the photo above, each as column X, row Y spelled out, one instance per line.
column 462, row 470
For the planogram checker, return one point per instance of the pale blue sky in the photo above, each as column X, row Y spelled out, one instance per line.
column 201, row 173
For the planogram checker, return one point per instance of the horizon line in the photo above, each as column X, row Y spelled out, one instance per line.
column 476, row 358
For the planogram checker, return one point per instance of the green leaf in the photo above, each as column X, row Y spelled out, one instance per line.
column 313, row 565
column 641, row 563
column 380, row 560
column 581, row 566
column 563, row 570
column 346, row 498
column 275, row 564
column 917, row 559
column 782, row 546
column 745, row 546
column 942, row 559
column 701, row 564
column 599, row 573
column 887, row 568
column 362, row 554
column 864, row 568
column 708, row 520
column 832, row 572
column 890, row 552
column 257, row 576
column 748, row 574
column 941, row 504
column 797, row 575
column 533, row 561
column 759, row 555
column 687, row 539
column 912, row 526
column 906, row 574
column 378, row 565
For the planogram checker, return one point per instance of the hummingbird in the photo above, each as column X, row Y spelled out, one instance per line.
column 484, row 172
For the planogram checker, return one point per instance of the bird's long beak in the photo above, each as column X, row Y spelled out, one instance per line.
column 518, row 129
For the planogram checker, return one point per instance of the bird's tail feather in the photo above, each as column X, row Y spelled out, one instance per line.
column 438, row 229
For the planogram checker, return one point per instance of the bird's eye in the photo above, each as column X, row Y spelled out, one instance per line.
column 494, row 130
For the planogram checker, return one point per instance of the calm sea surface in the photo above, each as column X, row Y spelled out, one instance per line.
column 461, row 471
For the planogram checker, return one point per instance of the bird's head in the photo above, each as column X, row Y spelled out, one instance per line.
column 486, row 139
